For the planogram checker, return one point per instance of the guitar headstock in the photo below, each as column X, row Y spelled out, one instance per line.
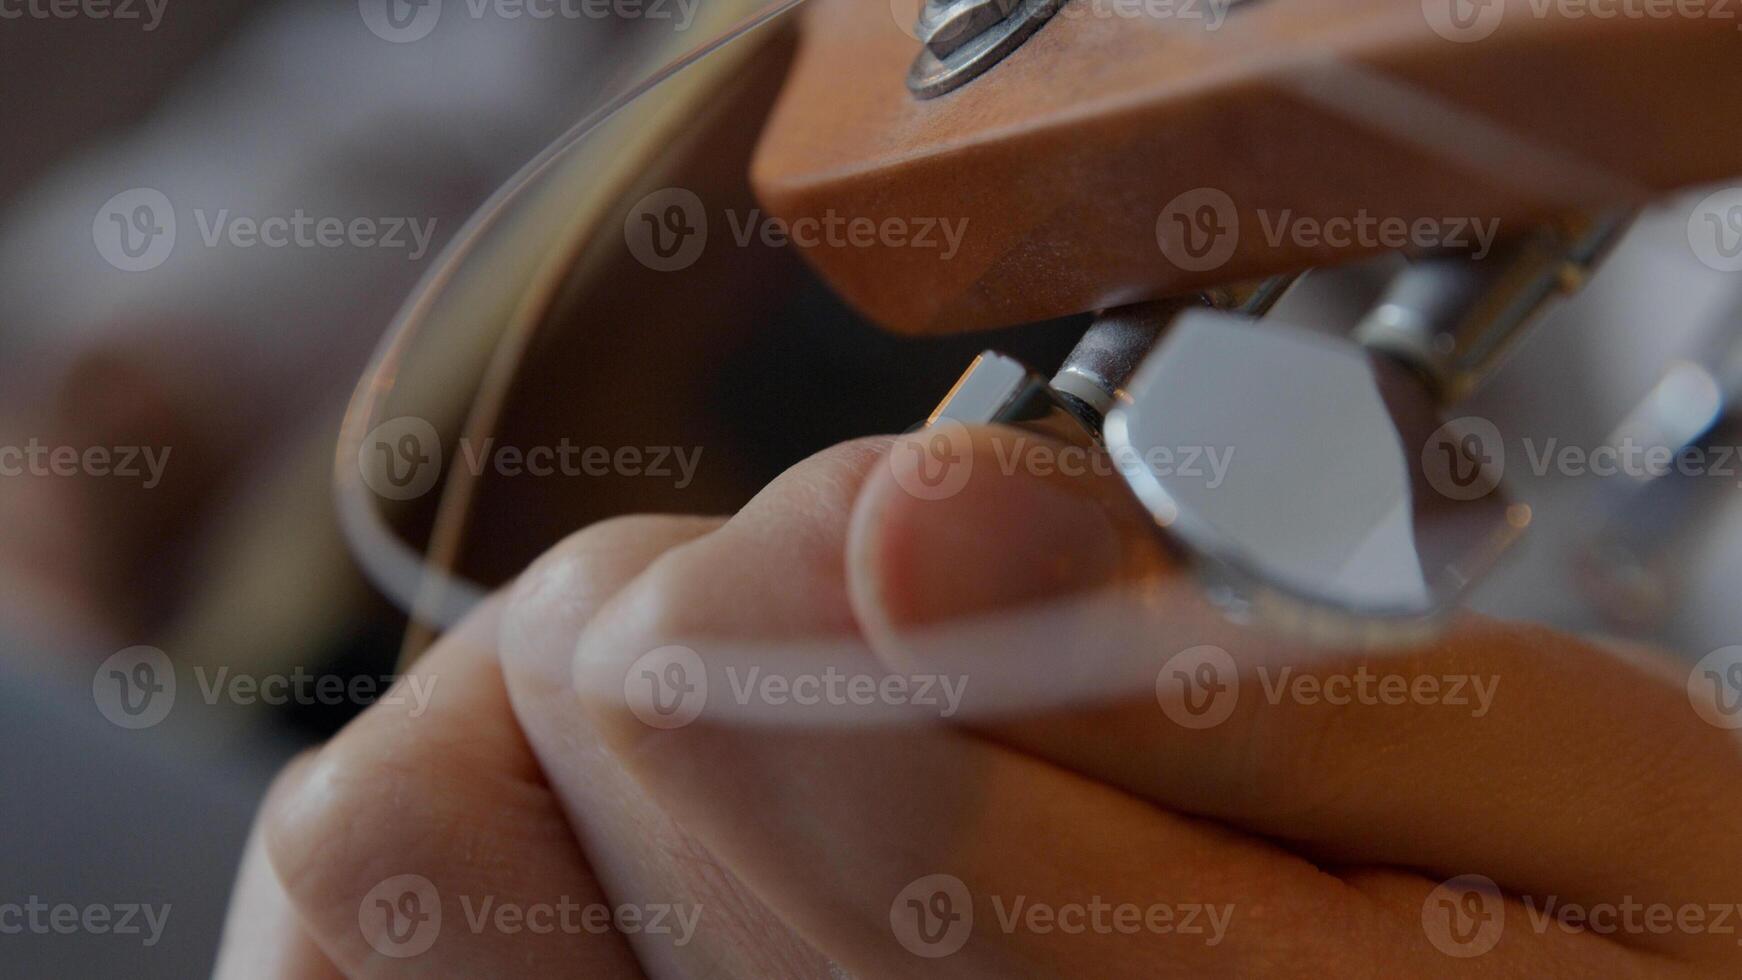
column 1130, row 150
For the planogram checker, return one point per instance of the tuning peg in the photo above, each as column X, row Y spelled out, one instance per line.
column 1313, row 481
column 1684, row 430
column 1333, row 502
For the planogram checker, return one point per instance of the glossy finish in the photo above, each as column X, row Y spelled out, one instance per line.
column 1310, row 481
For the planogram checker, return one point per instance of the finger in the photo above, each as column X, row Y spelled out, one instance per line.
column 263, row 935
column 639, row 853
column 856, row 834
column 1550, row 764
column 423, row 837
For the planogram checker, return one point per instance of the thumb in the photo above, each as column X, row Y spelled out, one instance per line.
column 1019, row 560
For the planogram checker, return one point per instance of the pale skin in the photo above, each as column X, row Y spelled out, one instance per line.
column 1324, row 829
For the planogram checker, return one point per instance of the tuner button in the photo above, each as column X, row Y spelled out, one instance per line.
column 1310, row 480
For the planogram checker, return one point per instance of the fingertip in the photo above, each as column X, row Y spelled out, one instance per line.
column 1007, row 530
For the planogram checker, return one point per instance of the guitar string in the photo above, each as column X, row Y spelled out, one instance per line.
column 438, row 599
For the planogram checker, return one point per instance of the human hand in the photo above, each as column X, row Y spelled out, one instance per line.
column 1297, row 836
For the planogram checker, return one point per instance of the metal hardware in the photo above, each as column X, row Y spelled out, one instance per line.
column 1096, row 372
column 963, row 38
column 1347, row 511
column 1347, row 514
column 1452, row 317
column 1000, row 389
column 1629, row 562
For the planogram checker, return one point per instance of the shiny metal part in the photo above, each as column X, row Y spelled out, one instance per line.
column 945, row 25
column 1309, row 481
column 997, row 389
column 993, row 386
column 1629, row 563
column 963, row 38
column 1453, row 317
column 1096, row 372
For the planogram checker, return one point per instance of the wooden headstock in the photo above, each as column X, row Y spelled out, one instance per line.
column 1085, row 162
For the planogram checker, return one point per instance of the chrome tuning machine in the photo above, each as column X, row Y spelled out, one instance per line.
column 1347, row 511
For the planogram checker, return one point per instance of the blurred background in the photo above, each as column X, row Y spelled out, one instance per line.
column 231, row 359
column 146, row 314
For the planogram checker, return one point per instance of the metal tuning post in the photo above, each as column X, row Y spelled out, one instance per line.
column 1351, row 512
column 1629, row 562
column 962, row 39
column 1311, row 480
